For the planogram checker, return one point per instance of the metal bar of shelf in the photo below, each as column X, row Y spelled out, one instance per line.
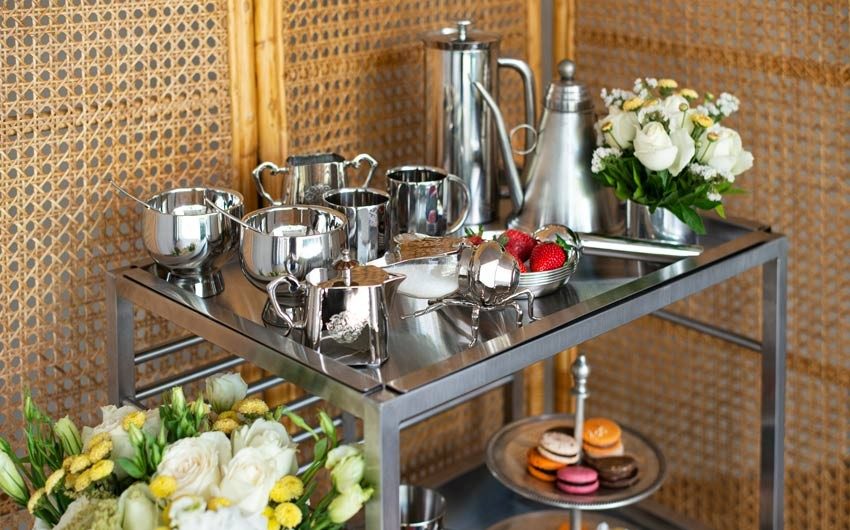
column 708, row 329
column 188, row 377
column 168, row 348
column 265, row 384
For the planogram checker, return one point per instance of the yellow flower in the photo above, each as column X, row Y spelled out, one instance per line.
column 268, row 512
column 83, row 481
column 286, row 489
column 288, row 515
column 32, row 504
column 218, row 502
column 99, row 451
column 633, row 103
column 79, row 463
column 702, row 120
column 667, row 83
column 70, row 479
column 163, row 486
column 225, row 425
column 607, row 126
column 97, row 438
column 54, row 479
column 712, row 136
column 251, row 407
column 101, row 470
column 66, row 464
column 136, row 418
column 229, row 415
column 688, row 93
column 273, row 525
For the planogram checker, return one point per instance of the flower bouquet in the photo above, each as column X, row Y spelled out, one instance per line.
column 221, row 462
column 662, row 147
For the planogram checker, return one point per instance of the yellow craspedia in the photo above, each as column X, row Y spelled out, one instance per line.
column 136, row 418
column 288, row 515
column 97, row 438
column 79, row 463
column 712, row 136
column 225, row 425
column 35, row 498
column 101, row 470
column 702, row 120
column 66, row 464
column 218, row 502
column 83, row 481
column 268, row 512
column 229, row 415
column 271, row 524
column 688, row 93
column 286, row 489
column 251, row 407
column 54, row 479
column 667, row 83
column 633, row 103
column 99, row 451
column 607, row 126
column 162, row 486
column 70, row 480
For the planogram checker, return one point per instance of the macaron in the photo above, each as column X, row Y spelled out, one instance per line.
column 601, row 432
column 616, row 472
column 577, row 480
column 558, row 446
column 603, row 452
column 541, row 467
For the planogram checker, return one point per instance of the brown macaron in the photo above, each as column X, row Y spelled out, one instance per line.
column 615, row 472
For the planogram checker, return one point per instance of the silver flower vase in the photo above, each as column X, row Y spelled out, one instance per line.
column 661, row 225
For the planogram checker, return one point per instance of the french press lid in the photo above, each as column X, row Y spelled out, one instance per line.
column 460, row 37
column 565, row 94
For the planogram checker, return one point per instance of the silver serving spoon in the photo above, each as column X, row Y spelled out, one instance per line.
column 127, row 194
column 227, row 214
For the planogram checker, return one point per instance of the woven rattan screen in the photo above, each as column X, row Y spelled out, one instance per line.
column 789, row 62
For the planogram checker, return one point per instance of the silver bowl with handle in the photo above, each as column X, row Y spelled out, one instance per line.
column 291, row 240
column 190, row 239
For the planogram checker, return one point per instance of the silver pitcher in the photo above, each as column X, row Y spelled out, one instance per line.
column 306, row 177
column 366, row 211
column 560, row 187
column 460, row 135
column 346, row 314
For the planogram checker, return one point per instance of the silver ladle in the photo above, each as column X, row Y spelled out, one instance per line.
column 227, row 214
column 126, row 193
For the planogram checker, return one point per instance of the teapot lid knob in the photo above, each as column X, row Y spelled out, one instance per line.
column 567, row 70
column 345, row 261
column 463, row 28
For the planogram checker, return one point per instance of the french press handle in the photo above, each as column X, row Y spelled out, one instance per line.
column 529, row 89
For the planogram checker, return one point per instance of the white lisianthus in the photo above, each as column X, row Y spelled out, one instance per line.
column 11, row 481
column 222, row 519
column 137, row 508
column 223, row 390
column 348, row 473
column 250, row 476
column 347, row 504
column 195, row 463
column 267, row 433
column 184, row 509
column 726, row 153
column 113, row 418
column 685, row 150
column 624, row 126
column 654, row 148
column 340, row 453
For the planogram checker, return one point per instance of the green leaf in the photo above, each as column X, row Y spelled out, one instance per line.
column 692, row 219
column 299, row 422
column 720, row 211
column 130, row 467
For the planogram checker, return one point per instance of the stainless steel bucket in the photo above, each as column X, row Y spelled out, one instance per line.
column 421, row 508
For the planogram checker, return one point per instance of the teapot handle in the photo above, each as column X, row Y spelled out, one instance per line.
column 529, row 88
column 271, row 289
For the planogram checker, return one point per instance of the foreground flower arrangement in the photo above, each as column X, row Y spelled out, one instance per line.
column 219, row 462
column 664, row 148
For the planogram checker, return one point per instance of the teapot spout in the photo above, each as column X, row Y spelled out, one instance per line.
column 514, row 181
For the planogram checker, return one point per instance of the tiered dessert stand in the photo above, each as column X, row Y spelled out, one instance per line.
column 431, row 368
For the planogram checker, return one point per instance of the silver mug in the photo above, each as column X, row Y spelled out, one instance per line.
column 366, row 211
column 305, row 178
column 421, row 508
column 421, row 198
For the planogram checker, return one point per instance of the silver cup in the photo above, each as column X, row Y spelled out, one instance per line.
column 420, row 199
column 305, row 178
column 366, row 211
column 189, row 239
column 289, row 240
column 421, row 508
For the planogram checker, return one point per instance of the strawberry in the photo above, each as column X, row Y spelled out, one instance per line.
column 550, row 255
column 474, row 238
column 522, row 267
column 517, row 243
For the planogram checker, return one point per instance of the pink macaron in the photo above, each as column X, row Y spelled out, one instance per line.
column 577, row 480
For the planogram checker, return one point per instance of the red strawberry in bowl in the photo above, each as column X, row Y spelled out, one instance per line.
column 474, row 238
column 549, row 256
column 522, row 267
column 517, row 243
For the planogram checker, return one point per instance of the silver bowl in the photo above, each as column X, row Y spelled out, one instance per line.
column 290, row 240
column 190, row 240
column 543, row 283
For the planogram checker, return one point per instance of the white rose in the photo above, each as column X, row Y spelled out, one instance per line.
column 686, row 148
column 184, row 509
column 624, row 126
column 137, row 509
column 195, row 463
column 727, row 152
column 223, row 390
column 250, row 476
column 654, row 148
column 266, row 433
column 112, row 423
column 222, row 519
column 678, row 119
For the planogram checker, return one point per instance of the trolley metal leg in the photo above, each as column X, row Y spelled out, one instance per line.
column 119, row 345
column 772, row 469
column 383, row 469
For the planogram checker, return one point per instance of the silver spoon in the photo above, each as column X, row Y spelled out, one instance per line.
column 227, row 214
column 129, row 195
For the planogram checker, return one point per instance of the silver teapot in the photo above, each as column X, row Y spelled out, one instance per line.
column 346, row 310
column 559, row 185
